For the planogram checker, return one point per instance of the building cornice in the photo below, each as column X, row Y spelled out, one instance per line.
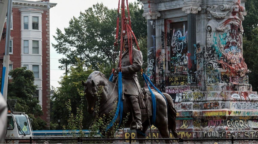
column 32, row 4
column 192, row 6
column 151, row 15
column 31, row 10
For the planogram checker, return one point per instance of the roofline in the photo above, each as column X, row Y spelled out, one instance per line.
column 35, row 4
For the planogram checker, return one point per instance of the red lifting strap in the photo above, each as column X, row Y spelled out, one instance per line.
column 130, row 48
column 121, row 38
column 117, row 23
column 128, row 12
column 134, row 38
column 125, row 30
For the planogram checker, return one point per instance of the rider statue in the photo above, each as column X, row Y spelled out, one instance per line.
column 131, row 86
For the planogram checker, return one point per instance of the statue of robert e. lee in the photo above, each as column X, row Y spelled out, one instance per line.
column 131, row 86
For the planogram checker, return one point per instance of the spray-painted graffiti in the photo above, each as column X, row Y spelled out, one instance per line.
column 178, row 51
column 192, row 78
column 184, row 106
column 184, row 113
column 214, row 113
column 191, row 95
column 197, row 134
column 160, row 69
column 213, row 77
column 160, row 56
column 179, row 48
column 225, row 40
column 185, row 135
column 244, row 105
column 176, row 89
column 184, row 124
column 211, row 105
column 151, row 60
column 226, row 134
column 223, row 105
column 177, row 80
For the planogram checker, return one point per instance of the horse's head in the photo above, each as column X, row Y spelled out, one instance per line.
column 91, row 87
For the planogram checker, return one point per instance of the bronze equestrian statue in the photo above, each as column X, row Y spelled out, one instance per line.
column 165, row 116
column 132, row 88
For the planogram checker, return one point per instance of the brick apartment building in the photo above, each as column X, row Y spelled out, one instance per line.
column 30, row 45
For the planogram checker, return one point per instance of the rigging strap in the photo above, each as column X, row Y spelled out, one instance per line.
column 119, row 108
column 148, row 81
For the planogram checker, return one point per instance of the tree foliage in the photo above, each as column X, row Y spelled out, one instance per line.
column 71, row 90
column 251, row 19
column 251, row 41
column 88, row 42
column 22, row 89
column 251, row 57
column 91, row 36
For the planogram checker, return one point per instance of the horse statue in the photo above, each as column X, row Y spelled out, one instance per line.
column 165, row 115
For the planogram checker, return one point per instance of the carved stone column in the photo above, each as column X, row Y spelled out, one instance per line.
column 151, row 15
column 191, row 7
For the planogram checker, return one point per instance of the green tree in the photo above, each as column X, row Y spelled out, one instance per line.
column 251, row 57
column 91, row 36
column 251, row 19
column 251, row 40
column 139, row 23
column 71, row 90
column 89, row 41
column 22, row 89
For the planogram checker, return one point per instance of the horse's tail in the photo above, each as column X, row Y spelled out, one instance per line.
column 171, row 115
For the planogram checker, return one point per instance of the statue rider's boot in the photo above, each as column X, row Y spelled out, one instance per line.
column 137, row 112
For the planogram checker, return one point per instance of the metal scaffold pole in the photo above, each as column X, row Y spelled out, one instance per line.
column 5, row 71
column 3, row 10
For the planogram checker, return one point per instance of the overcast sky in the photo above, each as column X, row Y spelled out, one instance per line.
column 60, row 15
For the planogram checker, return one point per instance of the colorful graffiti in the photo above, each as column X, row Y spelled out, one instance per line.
column 178, row 52
column 178, row 80
column 226, row 41
column 210, row 87
column 151, row 60
column 176, row 89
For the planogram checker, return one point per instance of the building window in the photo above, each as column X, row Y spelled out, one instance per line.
column 35, row 47
column 11, row 22
column 26, row 47
column 10, row 69
column 35, row 69
column 36, row 94
column 26, row 66
column 35, row 23
column 11, row 47
column 26, row 22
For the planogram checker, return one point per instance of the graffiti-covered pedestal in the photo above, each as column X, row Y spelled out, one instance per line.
column 199, row 62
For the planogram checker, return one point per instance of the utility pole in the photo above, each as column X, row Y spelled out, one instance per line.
column 5, row 72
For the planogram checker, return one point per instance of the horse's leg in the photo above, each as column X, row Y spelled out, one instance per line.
column 142, row 134
column 162, row 121
column 163, row 129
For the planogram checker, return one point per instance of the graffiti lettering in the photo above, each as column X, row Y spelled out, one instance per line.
column 151, row 60
column 177, row 80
